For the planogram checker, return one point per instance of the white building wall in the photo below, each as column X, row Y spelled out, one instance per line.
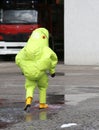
column 81, row 32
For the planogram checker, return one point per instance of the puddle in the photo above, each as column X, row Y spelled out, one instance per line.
column 55, row 99
column 74, row 99
column 59, row 74
column 11, row 112
column 80, row 94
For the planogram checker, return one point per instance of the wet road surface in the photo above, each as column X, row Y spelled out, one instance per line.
column 12, row 112
column 73, row 98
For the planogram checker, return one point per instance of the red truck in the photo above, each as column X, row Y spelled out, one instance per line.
column 17, row 24
column 15, row 29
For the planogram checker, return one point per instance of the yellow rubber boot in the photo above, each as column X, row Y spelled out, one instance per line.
column 43, row 106
column 28, row 103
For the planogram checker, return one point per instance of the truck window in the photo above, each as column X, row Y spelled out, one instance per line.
column 19, row 16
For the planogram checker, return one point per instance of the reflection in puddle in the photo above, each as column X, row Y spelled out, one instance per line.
column 35, row 115
column 43, row 115
column 12, row 112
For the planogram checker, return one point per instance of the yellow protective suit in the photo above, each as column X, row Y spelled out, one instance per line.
column 35, row 59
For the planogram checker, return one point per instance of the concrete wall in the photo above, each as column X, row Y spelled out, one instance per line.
column 81, row 32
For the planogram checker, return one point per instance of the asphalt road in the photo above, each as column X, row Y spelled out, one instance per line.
column 73, row 98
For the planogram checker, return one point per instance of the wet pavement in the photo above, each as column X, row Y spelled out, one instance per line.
column 73, row 98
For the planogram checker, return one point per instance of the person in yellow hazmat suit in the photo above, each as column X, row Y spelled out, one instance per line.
column 35, row 60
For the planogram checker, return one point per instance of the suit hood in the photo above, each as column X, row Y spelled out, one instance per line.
column 39, row 38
